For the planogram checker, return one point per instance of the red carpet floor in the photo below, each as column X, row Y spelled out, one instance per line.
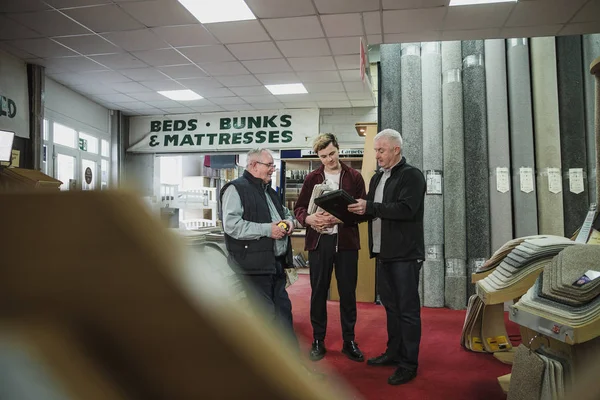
column 446, row 370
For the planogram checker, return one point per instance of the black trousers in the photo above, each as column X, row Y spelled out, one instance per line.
column 398, row 285
column 321, row 262
column 270, row 290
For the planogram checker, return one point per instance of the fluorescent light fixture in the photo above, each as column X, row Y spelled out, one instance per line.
column 209, row 11
column 288, row 88
column 472, row 2
column 180, row 95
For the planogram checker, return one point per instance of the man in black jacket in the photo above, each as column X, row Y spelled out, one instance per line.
column 394, row 207
column 259, row 249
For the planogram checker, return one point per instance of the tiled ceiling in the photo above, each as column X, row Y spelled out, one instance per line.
column 120, row 52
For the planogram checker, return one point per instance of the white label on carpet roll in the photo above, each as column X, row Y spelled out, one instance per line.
column 554, row 180
column 576, row 180
column 502, row 179
column 526, row 175
column 434, row 182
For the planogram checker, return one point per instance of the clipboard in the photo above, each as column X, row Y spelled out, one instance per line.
column 336, row 203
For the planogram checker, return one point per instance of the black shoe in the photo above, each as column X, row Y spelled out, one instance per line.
column 402, row 375
column 317, row 351
column 382, row 360
column 351, row 350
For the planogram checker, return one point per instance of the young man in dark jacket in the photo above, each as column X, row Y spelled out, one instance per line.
column 394, row 208
column 329, row 243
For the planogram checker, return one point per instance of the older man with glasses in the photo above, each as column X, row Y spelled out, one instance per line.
column 259, row 247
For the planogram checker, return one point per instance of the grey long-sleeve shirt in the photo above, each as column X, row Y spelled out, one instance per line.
column 238, row 228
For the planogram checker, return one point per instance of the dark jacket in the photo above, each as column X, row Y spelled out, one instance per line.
column 401, row 213
column 353, row 183
column 256, row 256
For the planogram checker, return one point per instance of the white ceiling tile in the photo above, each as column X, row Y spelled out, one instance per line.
column 267, row 66
column 197, row 103
column 345, row 45
column 429, row 36
column 23, row 6
column 336, row 25
column 132, row 105
column 22, row 54
column 227, row 100
column 250, row 91
column 130, row 88
column 294, row 28
column 178, row 110
column 115, row 98
column 281, row 8
column 225, row 68
column 260, row 99
column 147, row 96
column 44, row 48
column 324, row 87
column 105, row 76
column 360, row 95
column 473, row 34
column 254, row 51
column 406, row 4
column 119, row 61
column 207, row 54
column 530, row 31
column 420, row 20
column 350, row 75
column 356, row 87
column 12, row 30
column 159, row 13
column 312, row 63
column 300, row 104
column 277, row 79
column 74, row 64
column 70, row 78
column 329, row 96
column 481, row 16
column 143, row 74
column 205, row 82
column 88, row 44
column 362, row 103
column 49, row 23
column 239, row 80
column 94, row 88
column 579, row 28
column 348, row 62
column 161, row 58
column 319, row 76
column 268, row 106
column 304, row 47
column 141, row 39
column 549, row 12
column 374, row 39
column 208, row 109
column 164, row 84
column 164, row 103
column 150, row 111
column 334, row 104
column 239, row 107
column 183, row 71
column 372, row 22
column 295, row 98
column 186, row 35
column 105, row 18
column 214, row 92
column 75, row 3
column 238, row 32
column 590, row 12
column 346, row 6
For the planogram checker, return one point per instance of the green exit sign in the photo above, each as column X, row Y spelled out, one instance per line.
column 82, row 144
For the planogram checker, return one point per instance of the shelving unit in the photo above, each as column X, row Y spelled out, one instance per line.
column 196, row 201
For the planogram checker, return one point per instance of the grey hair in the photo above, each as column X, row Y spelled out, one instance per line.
column 390, row 134
column 254, row 155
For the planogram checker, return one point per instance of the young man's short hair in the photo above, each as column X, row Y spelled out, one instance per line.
column 324, row 140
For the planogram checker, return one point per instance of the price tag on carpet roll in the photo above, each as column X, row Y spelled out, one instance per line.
column 502, row 179
column 554, row 180
column 526, row 178
column 576, row 180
